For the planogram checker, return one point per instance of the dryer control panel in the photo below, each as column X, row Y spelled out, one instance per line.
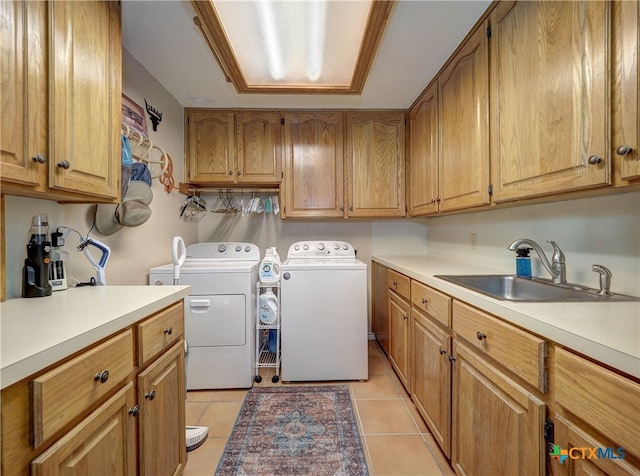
column 224, row 251
column 321, row 249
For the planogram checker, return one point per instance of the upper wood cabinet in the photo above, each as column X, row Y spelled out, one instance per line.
column 550, row 120
column 626, row 99
column 61, row 124
column 313, row 172
column 209, row 148
column 423, row 154
column 227, row 147
column 463, row 125
column 375, row 158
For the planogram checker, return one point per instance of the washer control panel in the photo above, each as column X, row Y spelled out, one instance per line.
column 224, row 251
column 321, row 249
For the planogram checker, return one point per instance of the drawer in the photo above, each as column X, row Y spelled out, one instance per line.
column 603, row 399
column 400, row 283
column 70, row 389
column 160, row 332
column 433, row 302
column 519, row 351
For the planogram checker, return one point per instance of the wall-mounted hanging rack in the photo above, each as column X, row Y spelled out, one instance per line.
column 191, row 189
column 143, row 150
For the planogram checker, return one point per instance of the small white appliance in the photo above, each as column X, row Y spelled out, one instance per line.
column 323, row 313
column 220, row 312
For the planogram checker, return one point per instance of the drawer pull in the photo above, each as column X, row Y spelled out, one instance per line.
column 150, row 395
column 425, row 300
column 168, row 330
column 102, row 376
column 133, row 411
column 481, row 335
column 442, row 351
column 395, row 284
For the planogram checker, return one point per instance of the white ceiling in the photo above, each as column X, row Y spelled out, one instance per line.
column 419, row 38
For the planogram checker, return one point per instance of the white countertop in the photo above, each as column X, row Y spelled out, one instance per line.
column 37, row 332
column 605, row 331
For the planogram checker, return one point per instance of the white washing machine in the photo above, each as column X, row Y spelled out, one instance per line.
column 220, row 312
column 323, row 313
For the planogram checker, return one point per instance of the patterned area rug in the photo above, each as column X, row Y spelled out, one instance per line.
column 295, row 431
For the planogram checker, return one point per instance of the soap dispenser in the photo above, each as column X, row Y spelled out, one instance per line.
column 523, row 263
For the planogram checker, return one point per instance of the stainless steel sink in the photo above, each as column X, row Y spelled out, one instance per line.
column 512, row 288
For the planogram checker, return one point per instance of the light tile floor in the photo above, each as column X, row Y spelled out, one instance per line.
column 396, row 441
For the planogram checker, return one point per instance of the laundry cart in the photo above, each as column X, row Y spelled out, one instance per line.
column 268, row 329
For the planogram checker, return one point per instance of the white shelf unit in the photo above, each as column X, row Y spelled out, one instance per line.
column 264, row 357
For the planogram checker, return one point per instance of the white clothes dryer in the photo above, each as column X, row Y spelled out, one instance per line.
column 220, row 312
column 324, row 317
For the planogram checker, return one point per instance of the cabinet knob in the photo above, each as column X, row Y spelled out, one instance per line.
column 64, row 164
column 452, row 358
column 102, row 376
column 481, row 335
column 405, row 317
column 239, row 172
column 425, row 300
column 168, row 330
column 350, row 208
column 230, row 172
column 134, row 411
column 150, row 395
column 341, row 208
column 395, row 284
column 624, row 150
column 40, row 158
column 438, row 200
column 442, row 351
column 595, row 159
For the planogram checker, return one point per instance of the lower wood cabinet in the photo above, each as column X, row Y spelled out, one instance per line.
column 399, row 328
column 379, row 306
column 100, row 443
column 114, row 408
column 431, row 377
column 161, row 396
column 497, row 425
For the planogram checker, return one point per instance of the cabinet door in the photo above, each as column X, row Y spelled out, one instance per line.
column 209, row 148
column 102, row 443
column 626, row 99
column 23, row 127
column 577, row 443
column 550, row 97
column 313, row 176
column 423, row 155
column 463, row 90
column 259, row 147
column 496, row 423
column 380, row 307
column 375, row 164
column 161, row 396
column 431, row 382
column 86, row 97
column 399, row 329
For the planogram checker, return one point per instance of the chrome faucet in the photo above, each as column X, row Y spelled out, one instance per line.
column 605, row 278
column 557, row 268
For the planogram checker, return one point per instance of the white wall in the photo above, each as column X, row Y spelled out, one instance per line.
column 602, row 230
column 134, row 250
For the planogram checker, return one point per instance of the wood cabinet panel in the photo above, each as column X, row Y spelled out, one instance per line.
column 519, row 351
column 314, row 165
column 400, row 283
column 492, row 411
column 101, row 442
column 626, row 98
column 545, row 139
column 91, row 375
column 23, row 68
column 399, row 335
column 159, row 332
column 375, row 158
column 432, row 302
column 86, row 96
column 259, row 147
column 380, row 307
column 601, row 398
column 160, row 395
column 463, row 127
column 423, row 154
column 210, row 147
column 431, row 379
